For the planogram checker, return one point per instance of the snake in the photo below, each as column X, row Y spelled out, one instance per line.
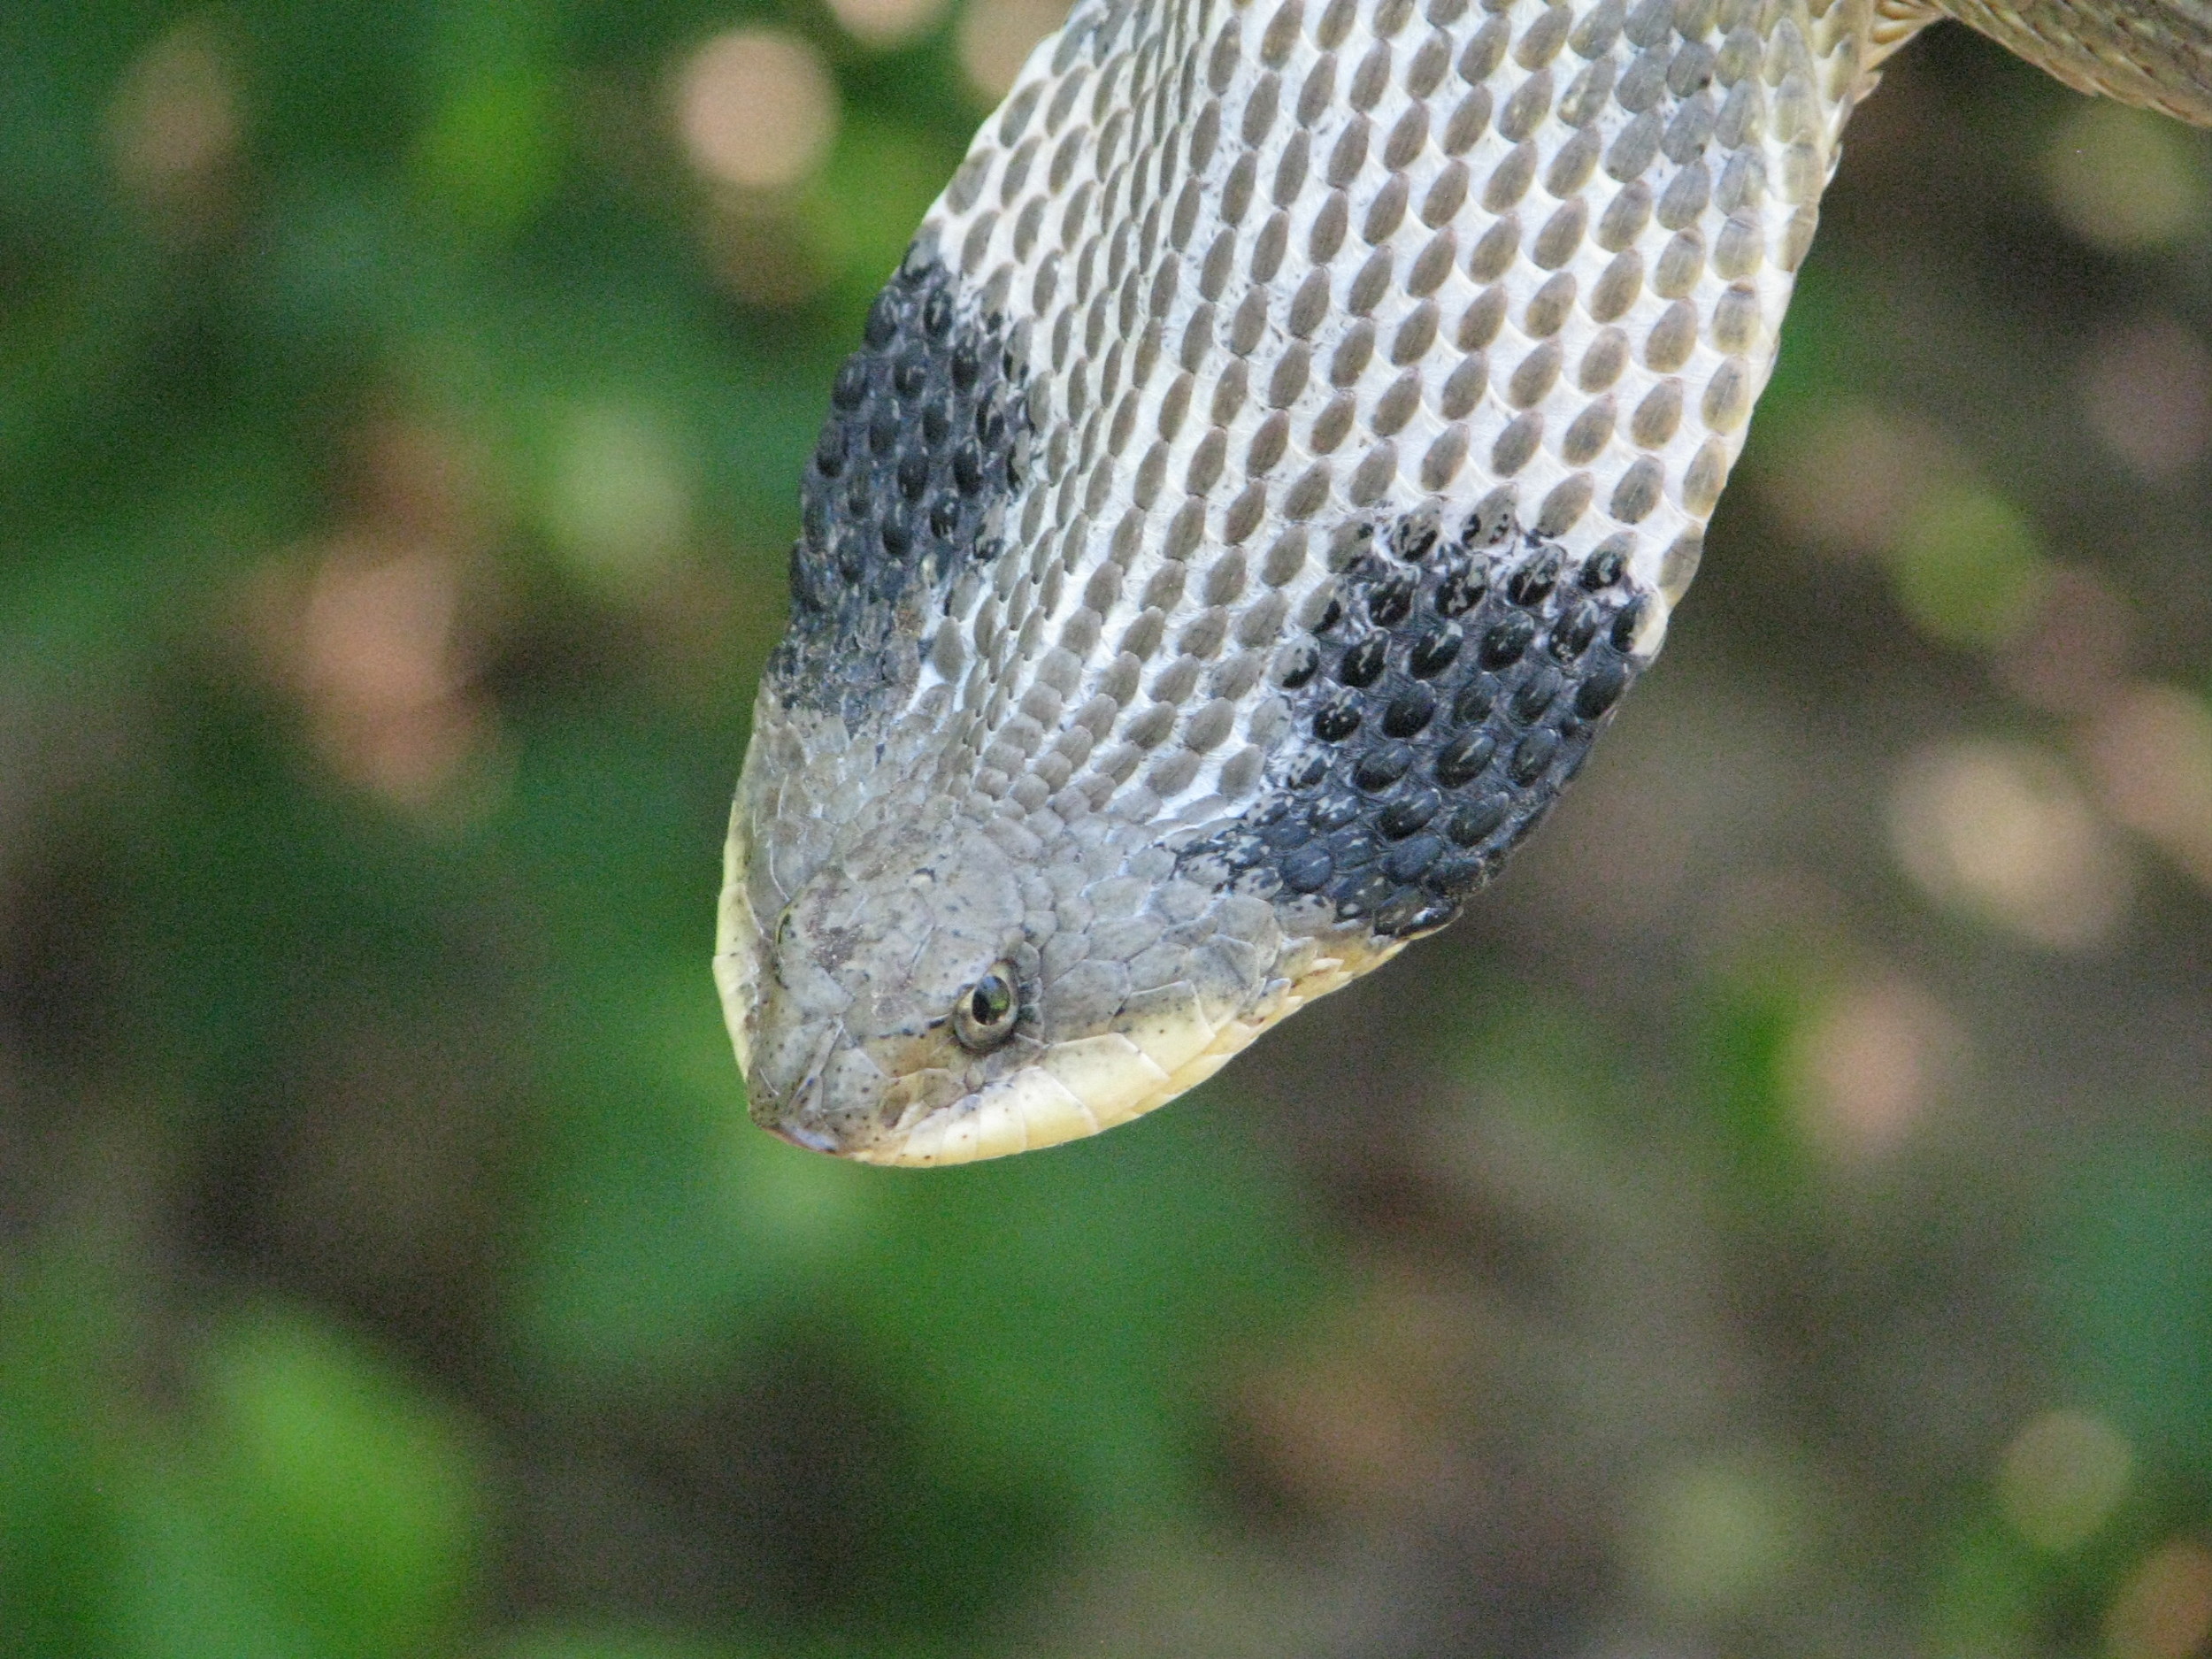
column 1282, row 444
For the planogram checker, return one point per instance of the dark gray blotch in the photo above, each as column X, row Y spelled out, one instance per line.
column 1458, row 684
column 926, row 439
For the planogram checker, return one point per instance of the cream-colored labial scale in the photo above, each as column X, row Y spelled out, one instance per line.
column 1093, row 1083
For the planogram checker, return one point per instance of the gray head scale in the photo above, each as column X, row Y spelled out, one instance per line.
column 891, row 985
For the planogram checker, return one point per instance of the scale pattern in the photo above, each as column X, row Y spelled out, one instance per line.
column 923, row 441
column 1301, row 311
column 1439, row 713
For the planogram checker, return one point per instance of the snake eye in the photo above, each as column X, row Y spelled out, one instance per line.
column 984, row 1016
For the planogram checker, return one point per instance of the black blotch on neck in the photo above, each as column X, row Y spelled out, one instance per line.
column 1454, row 687
column 926, row 439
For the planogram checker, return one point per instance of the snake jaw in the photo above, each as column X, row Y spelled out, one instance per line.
column 845, row 1001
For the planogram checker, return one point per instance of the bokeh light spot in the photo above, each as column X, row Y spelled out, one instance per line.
column 2000, row 831
column 174, row 121
column 2151, row 751
column 1866, row 1066
column 756, row 109
column 619, row 504
column 371, row 629
column 2061, row 1477
column 881, row 23
column 996, row 37
column 1969, row 568
column 382, row 669
column 2148, row 388
column 2126, row 181
column 1714, row 1536
column 2073, row 654
column 2164, row 1611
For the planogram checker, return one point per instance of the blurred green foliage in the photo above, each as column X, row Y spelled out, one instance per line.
column 398, row 435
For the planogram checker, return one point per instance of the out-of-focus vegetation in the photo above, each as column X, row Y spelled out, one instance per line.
column 1779, row 1222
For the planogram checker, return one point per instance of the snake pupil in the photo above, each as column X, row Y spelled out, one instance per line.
column 984, row 1016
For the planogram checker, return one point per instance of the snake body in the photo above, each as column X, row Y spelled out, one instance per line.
column 1282, row 445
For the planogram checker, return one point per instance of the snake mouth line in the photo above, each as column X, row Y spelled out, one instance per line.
column 806, row 1140
column 1080, row 1086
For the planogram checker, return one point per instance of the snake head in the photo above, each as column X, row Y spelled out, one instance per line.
column 894, row 984
column 908, row 983
column 895, row 1007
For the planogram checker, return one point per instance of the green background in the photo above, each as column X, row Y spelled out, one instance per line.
column 399, row 434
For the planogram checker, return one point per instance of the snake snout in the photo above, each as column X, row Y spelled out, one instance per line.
column 809, row 1139
column 808, row 1112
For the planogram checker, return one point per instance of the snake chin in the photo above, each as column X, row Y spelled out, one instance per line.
column 886, row 1080
column 842, row 1000
column 912, row 1094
